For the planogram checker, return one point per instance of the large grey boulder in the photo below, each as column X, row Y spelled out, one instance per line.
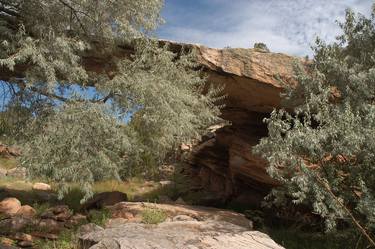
column 209, row 234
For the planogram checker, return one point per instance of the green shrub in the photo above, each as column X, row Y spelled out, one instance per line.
column 261, row 46
column 40, row 208
column 66, row 240
column 323, row 153
column 153, row 216
column 99, row 217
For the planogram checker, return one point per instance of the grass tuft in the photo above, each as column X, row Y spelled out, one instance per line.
column 8, row 163
column 66, row 240
column 99, row 217
column 153, row 216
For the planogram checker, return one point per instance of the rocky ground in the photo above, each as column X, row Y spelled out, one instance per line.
column 125, row 215
column 118, row 224
column 32, row 217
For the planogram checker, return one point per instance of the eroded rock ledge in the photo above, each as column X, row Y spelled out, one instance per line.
column 224, row 162
column 186, row 227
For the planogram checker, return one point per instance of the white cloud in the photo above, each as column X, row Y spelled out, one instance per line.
column 288, row 26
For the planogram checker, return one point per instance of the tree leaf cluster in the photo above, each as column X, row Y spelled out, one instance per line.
column 323, row 152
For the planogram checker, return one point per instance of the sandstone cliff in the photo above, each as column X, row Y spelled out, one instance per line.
column 224, row 163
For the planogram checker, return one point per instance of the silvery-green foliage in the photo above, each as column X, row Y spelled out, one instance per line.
column 81, row 143
column 167, row 95
column 329, row 140
column 51, row 35
column 83, row 126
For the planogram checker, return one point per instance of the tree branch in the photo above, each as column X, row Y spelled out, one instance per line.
column 75, row 14
column 342, row 205
column 9, row 12
column 47, row 94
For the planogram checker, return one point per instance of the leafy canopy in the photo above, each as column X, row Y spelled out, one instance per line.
column 89, row 95
column 323, row 153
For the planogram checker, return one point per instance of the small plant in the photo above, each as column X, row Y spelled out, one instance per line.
column 256, row 216
column 261, row 46
column 99, row 217
column 66, row 240
column 8, row 163
column 73, row 197
column 40, row 208
column 153, row 216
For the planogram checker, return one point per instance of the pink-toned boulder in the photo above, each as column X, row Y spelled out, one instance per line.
column 41, row 186
column 26, row 211
column 10, row 206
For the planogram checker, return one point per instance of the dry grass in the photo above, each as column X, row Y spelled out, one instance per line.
column 8, row 163
column 15, row 184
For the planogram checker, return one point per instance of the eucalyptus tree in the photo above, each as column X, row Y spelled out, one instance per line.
column 323, row 153
column 89, row 95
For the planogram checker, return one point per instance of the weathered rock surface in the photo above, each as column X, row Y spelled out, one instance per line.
column 195, row 212
column 10, row 206
column 26, row 211
column 88, row 228
column 224, row 161
column 41, row 186
column 178, row 235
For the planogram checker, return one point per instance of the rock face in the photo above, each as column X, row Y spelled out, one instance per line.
column 122, row 209
column 224, row 161
column 178, row 235
column 190, row 228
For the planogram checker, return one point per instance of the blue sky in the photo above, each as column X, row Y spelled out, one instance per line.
column 288, row 26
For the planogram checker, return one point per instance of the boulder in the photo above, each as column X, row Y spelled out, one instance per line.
column 75, row 220
column 41, row 186
column 116, row 222
column 5, row 246
column 178, row 234
column 104, row 199
column 26, row 211
column 21, row 237
column 50, row 225
column 25, row 243
column 88, row 228
column 6, row 242
column 14, row 224
column 44, row 235
column 59, row 213
column 10, row 206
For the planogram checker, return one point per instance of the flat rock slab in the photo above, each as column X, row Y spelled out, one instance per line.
column 195, row 212
column 208, row 234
